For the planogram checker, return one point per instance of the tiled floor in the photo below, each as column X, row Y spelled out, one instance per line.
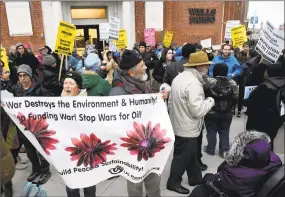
column 118, row 186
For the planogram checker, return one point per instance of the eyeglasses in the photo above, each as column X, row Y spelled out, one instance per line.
column 24, row 76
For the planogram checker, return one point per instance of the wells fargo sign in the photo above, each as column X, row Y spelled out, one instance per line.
column 202, row 16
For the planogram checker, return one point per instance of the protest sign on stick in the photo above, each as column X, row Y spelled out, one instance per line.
column 4, row 58
column 167, row 38
column 149, row 36
column 238, row 36
column 271, row 43
column 96, row 137
column 114, row 28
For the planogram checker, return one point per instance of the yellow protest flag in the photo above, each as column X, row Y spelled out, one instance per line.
column 65, row 38
column 4, row 58
column 122, row 42
column 238, row 36
column 167, row 38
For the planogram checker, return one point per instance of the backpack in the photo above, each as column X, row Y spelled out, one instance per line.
column 33, row 190
column 222, row 93
column 280, row 97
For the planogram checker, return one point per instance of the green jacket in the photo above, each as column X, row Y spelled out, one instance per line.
column 7, row 165
column 95, row 84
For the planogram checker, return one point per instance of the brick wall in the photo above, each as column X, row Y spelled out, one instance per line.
column 37, row 23
column 176, row 19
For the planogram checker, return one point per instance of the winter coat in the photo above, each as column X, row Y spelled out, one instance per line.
column 29, row 59
column 158, row 52
column 95, row 85
column 234, row 66
column 247, row 165
column 178, row 54
column 173, row 70
column 159, row 70
column 254, row 71
column 187, row 104
column 51, row 82
column 7, row 165
column 262, row 111
column 37, row 89
column 147, row 60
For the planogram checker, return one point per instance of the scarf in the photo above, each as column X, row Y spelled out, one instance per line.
column 133, row 85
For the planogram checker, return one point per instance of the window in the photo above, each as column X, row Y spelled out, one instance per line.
column 88, row 13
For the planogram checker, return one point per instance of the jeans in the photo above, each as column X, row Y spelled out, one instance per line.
column 184, row 159
column 218, row 123
column 88, row 192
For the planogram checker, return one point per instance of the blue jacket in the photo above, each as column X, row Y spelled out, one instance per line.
column 234, row 66
column 178, row 54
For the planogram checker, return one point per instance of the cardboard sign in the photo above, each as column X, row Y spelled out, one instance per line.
column 99, row 137
column 229, row 26
column 168, row 38
column 114, row 28
column 149, row 36
column 104, row 30
column 65, row 38
column 248, row 90
column 206, row 43
column 271, row 43
column 238, row 36
column 122, row 41
column 4, row 58
column 216, row 47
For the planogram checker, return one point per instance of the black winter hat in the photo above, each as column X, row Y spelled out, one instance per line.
column 187, row 49
column 76, row 77
column 129, row 59
column 142, row 44
column 275, row 70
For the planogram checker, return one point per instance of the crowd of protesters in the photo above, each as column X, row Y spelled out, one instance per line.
column 200, row 86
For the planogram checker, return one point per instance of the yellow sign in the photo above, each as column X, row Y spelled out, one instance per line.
column 168, row 38
column 4, row 58
column 238, row 36
column 65, row 38
column 122, row 42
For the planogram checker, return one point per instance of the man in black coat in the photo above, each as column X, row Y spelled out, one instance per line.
column 30, row 85
column 146, row 57
column 24, row 57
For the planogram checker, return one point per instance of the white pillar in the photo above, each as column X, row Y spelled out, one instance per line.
column 52, row 14
column 128, row 22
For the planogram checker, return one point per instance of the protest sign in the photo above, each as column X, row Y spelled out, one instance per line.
column 206, row 43
column 114, row 28
column 104, row 31
column 65, row 38
column 229, row 26
column 238, row 36
column 248, row 90
column 122, row 41
column 96, row 137
column 149, row 36
column 168, row 38
column 4, row 58
column 271, row 43
column 216, row 47
column 112, row 45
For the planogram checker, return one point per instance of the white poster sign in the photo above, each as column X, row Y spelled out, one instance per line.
column 206, row 43
column 248, row 90
column 229, row 26
column 216, row 47
column 104, row 31
column 114, row 28
column 96, row 137
column 271, row 43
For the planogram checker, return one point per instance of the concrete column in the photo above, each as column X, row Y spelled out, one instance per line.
column 128, row 22
column 52, row 14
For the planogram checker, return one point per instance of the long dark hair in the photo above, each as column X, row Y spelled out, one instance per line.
column 1, row 67
column 163, row 55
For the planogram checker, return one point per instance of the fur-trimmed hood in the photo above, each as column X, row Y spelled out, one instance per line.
column 240, row 145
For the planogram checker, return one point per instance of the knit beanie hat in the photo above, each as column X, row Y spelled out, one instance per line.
column 92, row 62
column 49, row 60
column 129, row 60
column 275, row 70
column 76, row 77
column 19, row 45
column 24, row 68
column 142, row 44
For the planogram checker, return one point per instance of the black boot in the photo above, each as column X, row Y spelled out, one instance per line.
column 203, row 167
column 8, row 189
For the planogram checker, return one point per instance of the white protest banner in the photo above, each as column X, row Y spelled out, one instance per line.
column 229, row 26
column 216, row 47
column 206, row 43
column 104, row 31
column 96, row 137
column 248, row 90
column 271, row 43
column 114, row 28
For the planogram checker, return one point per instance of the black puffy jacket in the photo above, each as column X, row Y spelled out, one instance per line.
column 29, row 59
column 51, row 82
